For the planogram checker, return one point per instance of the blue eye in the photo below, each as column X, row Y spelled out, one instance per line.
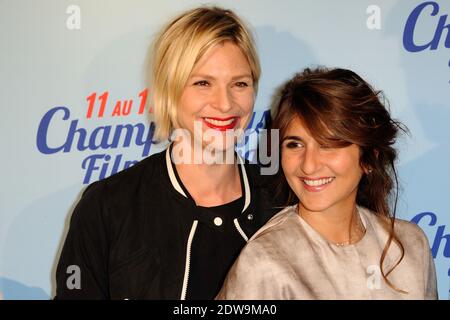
column 242, row 84
column 201, row 83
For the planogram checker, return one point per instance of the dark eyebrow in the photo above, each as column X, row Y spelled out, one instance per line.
column 295, row 138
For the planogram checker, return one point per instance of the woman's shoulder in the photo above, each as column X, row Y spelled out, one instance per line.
column 126, row 180
column 147, row 168
column 266, row 242
column 406, row 231
column 119, row 200
column 278, row 223
column 263, row 250
column 118, row 190
column 409, row 232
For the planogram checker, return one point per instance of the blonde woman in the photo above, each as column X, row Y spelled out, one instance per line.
column 172, row 225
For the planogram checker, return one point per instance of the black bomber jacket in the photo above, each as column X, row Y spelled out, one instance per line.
column 129, row 233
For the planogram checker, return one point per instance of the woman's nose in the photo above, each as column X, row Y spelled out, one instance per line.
column 222, row 99
column 311, row 161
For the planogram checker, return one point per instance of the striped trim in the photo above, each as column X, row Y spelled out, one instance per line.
column 239, row 229
column 246, row 185
column 173, row 178
column 188, row 260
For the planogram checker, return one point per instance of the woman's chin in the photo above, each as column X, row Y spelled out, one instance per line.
column 314, row 206
column 218, row 149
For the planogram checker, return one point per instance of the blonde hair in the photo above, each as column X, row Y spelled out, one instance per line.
column 178, row 48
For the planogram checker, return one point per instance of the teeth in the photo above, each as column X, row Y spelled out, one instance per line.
column 319, row 182
column 219, row 122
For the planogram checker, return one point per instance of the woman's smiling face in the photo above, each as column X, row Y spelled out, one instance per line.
column 322, row 178
column 219, row 94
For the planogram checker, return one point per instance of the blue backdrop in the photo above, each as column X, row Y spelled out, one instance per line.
column 72, row 82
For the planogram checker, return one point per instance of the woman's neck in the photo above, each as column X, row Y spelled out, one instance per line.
column 211, row 184
column 339, row 224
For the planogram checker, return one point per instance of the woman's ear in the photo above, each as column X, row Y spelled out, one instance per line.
column 376, row 152
column 367, row 170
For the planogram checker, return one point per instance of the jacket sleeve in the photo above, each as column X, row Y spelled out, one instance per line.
column 82, row 271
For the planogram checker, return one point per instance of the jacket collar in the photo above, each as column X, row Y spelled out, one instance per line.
column 177, row 185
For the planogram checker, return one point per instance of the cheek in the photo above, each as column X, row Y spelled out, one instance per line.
column 190, row 102
column 347, row 166
column 250, row 102
column 246, row 110
column 289, row 164
column 246, row 102
column 183, row 107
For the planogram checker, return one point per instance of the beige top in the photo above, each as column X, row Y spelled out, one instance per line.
column 288, row 259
